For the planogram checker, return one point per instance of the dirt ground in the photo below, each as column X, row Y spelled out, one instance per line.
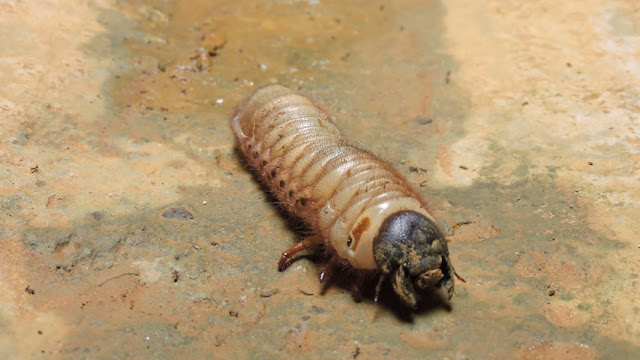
column 129, row 227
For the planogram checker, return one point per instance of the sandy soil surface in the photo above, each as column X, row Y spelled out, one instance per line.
column 129, row 227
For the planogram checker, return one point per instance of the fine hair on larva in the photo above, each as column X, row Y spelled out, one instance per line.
column 367, row 215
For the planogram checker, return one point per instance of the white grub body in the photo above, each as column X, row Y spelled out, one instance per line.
column 343, row 192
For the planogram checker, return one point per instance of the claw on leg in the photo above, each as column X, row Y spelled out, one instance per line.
column 378, row 288
column 306, row 243
column 326, row 274
column 458, row 276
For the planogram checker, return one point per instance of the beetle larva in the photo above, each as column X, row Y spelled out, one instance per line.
column 365, row 212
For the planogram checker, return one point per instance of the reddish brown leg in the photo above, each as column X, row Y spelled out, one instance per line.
column 326, row 274
column 302, row 245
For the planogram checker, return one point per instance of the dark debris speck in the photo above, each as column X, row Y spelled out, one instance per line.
column 424, row 120
column 177, row 213
column 305, row 292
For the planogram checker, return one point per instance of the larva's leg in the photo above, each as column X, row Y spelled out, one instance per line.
column 327, row 272
column 358, row 285
column 306, row 243
column 378, row 288
column 328, row 269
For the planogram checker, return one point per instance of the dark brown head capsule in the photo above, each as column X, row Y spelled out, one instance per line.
column 412, row 252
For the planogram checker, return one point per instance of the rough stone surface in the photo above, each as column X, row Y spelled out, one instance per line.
column 518, row 121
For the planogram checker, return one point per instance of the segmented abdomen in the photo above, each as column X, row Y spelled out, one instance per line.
column 315, row 173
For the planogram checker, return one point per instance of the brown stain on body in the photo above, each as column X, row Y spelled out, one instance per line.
column 362, row 226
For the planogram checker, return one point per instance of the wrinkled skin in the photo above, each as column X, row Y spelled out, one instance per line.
column 412, row 252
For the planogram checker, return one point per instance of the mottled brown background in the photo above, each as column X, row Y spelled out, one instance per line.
column 518, row 121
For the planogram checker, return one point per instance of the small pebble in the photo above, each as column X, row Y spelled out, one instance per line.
column 269, row 292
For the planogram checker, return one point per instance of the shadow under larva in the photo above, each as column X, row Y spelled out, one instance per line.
column 365, row 213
